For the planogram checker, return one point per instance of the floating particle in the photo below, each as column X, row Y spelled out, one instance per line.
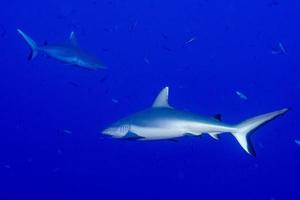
column 241, row 95
column 297, row 142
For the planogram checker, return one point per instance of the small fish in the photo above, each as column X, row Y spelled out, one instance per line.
column 163, row 35
column 105, row 49
column 297, row 142
column 67, row 131
column 147, row 61
column 279, row 50
column 166, row 48
column 273, row 3
column 241, row 95
column 115, row 100
column 59, row 151
column 133, row 26
column 55, row 170
column 73, row 84
column 189, row 41
column 281, row 47
column 7, row 166
column 103, row 79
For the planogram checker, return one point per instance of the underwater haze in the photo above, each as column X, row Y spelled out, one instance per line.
column 236, row 58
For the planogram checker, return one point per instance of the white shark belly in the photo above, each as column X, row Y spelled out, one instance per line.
column 179, row 128
column 157, row 133
column 198, row 128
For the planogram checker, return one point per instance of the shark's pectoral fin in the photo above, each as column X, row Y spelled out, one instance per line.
column 162, row 99
column 73, row 39
column 132, row 136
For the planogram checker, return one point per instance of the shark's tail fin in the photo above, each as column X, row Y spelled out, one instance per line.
column 31, row 43
column 243, row 129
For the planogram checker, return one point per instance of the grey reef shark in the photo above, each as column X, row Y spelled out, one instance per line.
column 162, row 121
column 68, row 53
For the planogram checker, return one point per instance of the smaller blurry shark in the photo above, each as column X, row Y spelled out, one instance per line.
column 162, row 121
column 69, row 53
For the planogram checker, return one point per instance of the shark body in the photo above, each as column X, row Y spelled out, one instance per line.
column 68, row 53
column 161, row 121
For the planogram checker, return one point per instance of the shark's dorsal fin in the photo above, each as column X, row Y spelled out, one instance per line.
column 73, row 39
column 162, row 99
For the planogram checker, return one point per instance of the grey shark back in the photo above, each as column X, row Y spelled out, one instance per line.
column 161, row 121
column 69, row 53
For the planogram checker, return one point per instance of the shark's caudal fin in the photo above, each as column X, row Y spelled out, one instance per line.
column 31, row 43
column 246, row 127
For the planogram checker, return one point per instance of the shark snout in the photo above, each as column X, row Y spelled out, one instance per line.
column 108, row 131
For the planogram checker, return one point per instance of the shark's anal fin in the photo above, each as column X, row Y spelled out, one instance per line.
column 73, row 39
column 215, row 135
column 162, row 99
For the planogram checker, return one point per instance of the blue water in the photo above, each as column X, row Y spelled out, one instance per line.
column 52, row 114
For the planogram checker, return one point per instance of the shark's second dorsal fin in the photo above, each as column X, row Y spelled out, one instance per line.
column 162, row 99
column 73, row 39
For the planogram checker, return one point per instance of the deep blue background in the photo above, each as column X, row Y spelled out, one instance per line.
column 232, row 51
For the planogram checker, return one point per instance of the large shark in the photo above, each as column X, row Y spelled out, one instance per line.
column 162, row 121
column 69, row 53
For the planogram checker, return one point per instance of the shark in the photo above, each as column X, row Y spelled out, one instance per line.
column 164, row 122
column 69, row 53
